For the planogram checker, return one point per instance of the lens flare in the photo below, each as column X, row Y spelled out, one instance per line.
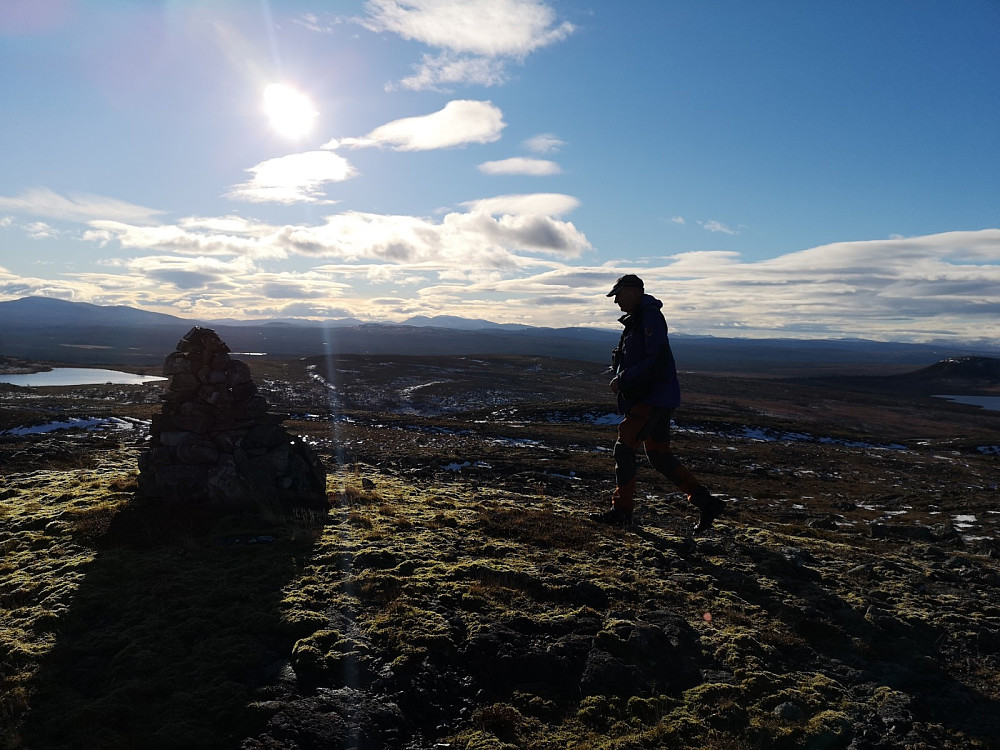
column 291, row 112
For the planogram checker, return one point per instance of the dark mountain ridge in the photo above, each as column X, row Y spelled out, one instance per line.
column 53, row 330
column 955, row 376
column 40, row 311
column 966, row 368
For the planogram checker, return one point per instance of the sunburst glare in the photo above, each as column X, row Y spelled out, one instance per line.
column 292, row 113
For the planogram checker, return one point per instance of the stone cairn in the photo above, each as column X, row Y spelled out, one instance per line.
column 215, row 446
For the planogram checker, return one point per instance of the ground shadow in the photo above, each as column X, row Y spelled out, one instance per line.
column 173, row 628
column 869, row 645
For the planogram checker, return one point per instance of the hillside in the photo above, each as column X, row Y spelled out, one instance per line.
column 455, row 594
column 979, row 376
column 981, row 369
column 75, row 333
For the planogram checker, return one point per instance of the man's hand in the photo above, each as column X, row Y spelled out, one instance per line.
column 614, row 385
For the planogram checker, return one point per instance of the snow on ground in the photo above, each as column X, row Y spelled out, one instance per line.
column 78, row 423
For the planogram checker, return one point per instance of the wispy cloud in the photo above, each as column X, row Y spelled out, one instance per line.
column 192, row 273
column 77, row 207
column 544, row 143
column 904, row 289
column 520, row 165
column 717, row 226
column 440, row 71
column 477, row 39
column 913, row 289
column 313, row 22
column 459, row 123
column 548, row 204
column 183, row 239
column 296, row 178
column 39, row 230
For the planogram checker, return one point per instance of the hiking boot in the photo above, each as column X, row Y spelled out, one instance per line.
column 613, row 517
column 711, row 507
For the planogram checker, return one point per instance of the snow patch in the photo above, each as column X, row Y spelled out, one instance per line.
column 78, row 423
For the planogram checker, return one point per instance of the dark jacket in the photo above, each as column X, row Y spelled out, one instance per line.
column 643, row 360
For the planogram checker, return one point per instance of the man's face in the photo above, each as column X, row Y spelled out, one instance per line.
column 628, row 299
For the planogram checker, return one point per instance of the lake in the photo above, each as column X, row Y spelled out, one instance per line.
column 990, row 403
column 77, row 376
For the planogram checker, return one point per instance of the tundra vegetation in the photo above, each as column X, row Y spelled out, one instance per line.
column 455, row 594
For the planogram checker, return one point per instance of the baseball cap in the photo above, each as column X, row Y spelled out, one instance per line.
column 629, row 279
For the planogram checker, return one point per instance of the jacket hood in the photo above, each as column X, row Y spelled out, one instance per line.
column 648, row 301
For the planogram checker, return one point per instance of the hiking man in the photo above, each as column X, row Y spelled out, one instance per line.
column 646, row 385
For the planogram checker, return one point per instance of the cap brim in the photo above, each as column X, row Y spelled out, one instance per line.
column 619, row 287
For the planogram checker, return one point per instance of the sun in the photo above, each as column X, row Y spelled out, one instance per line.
column 291, row 112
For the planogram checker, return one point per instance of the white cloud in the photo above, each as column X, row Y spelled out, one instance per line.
column 474, row 238
column 903, row 289
column 544, row 143
column 296, row 178
column 39, row 230
column 191, row 273
column 520, row 165
column 77, row 207
column 436, row 71
column 539, row 233
column 511, row 259
column 459, row 123
column 548, row 204
column 522, row 224
column 226, row 224
column 476, row 37
column 717, row 226
column 490, row 28
column 312, row 22
column 678, row 220
column 913, row 289
column 260, row 243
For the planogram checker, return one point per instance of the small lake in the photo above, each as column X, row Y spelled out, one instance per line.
column 63, row 376
column 990, row 403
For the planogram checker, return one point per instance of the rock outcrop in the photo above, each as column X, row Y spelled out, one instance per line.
column 215, row 445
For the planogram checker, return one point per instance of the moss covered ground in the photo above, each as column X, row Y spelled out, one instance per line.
column 456, row 594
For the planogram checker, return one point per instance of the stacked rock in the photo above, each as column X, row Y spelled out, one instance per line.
column 216, row 446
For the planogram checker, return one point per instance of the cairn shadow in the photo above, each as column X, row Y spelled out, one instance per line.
column 174, row 629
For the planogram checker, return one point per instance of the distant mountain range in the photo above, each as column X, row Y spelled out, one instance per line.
column 55, row 330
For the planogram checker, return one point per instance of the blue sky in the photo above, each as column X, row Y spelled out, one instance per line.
column 770, row 168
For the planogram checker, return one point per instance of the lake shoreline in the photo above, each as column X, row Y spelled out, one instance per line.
column 60, row 377
column 15, row 366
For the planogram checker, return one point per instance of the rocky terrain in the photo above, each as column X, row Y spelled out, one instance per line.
column 455, row 595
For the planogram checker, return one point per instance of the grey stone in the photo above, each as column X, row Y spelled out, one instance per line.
column 215, row 444
column 789, row 711
column 176, row 364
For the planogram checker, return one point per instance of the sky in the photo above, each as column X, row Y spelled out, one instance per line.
column 770, row 169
